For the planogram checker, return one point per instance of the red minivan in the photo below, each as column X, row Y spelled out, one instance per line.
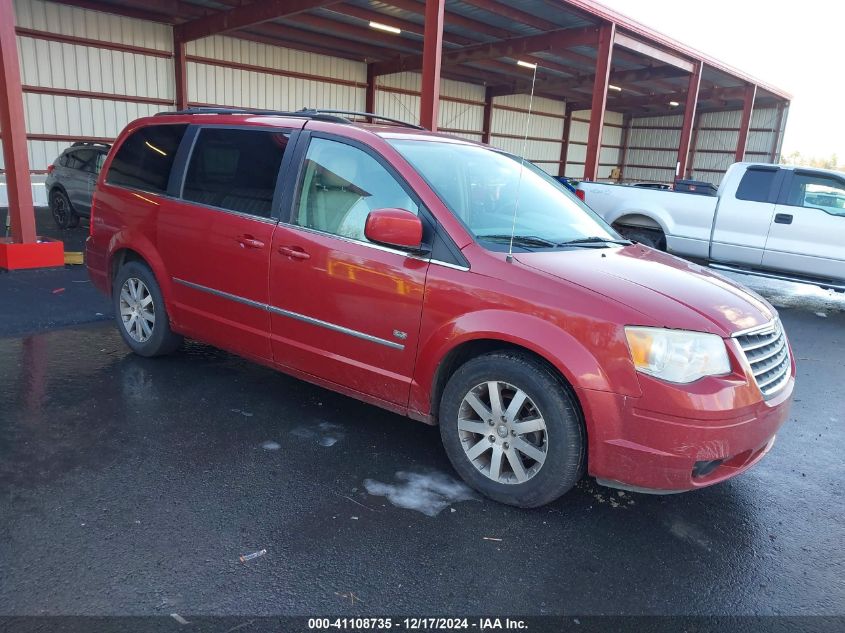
column 446, row 281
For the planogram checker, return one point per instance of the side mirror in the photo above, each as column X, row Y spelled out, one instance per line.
column 394, row 227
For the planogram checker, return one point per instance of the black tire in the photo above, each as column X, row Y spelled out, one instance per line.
column 161, row 339
column 653, row 238
column 565, row 441
column 63, row 213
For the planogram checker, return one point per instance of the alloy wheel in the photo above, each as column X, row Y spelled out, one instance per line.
column 137, row 309
column 502, row 432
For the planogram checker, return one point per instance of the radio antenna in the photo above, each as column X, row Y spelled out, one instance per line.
column 509, row 258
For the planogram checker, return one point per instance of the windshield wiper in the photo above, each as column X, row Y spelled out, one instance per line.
column 594, row 241
column 520, row 240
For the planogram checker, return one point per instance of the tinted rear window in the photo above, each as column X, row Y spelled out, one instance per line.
column 756, row 185
column 146, row 157
column 235, row 169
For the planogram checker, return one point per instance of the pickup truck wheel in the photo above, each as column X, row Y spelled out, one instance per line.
column 511, row 429
column 140, row 312
column 653, row 238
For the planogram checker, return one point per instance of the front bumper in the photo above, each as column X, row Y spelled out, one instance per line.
column 671, row 440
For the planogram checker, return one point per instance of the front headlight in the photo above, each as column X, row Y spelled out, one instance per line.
column 677, row 355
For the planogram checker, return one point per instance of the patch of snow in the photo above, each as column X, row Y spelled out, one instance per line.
column 270, row 445
column 428, row 493
column 325, row 433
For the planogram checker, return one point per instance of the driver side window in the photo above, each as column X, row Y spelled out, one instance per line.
column 340, row 185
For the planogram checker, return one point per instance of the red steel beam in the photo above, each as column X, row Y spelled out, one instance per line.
column 603, row 61
column 18, row 185
column 745, row 121
column 567, row 86
column 777, row 136
column 626, row 137
column 689, row 118
column 180, row 76
column 432, row 55
column 564, row 141
column 370, row 94
column 510, row 12
column 244, row 16
column 511, row 47
column 487, row 122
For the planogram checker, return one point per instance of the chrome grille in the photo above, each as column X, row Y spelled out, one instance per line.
column 767, row 353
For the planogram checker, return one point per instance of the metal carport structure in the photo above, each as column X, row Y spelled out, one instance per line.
column 611, row 94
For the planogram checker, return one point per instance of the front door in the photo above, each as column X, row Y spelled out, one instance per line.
column 216, row 241
column 807, row 234
column 342, row 308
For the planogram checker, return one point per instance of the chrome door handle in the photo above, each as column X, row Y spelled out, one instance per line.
column 248, row 241
column 294, row 252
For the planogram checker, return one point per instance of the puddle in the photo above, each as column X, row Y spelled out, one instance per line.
column 427, row 493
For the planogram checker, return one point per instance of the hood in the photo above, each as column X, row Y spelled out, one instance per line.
column 670, row 292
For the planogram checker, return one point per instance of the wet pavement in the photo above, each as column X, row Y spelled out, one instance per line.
column 133, row 486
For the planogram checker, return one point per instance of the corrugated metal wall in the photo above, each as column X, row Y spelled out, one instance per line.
column 226, row 71
column 611, row 144
column 73, row 90
column 653, row 144
column 510, row 124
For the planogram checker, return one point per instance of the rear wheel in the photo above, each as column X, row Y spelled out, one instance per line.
column 511, row 429
column 62, row 210
column 653, row 238
column 140, row 312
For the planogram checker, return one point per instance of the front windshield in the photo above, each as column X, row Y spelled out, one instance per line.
column 482, row 188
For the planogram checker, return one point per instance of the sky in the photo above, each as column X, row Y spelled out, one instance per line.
column 795, row 46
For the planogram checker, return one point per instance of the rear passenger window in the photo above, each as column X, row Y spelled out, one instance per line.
column 235, row 169
column 146, row 157
column 85, row 160
column 756, row 185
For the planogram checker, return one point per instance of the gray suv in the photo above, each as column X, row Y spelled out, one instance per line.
column 71, row 179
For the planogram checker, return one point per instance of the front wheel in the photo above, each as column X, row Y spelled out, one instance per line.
column 140, row 312
column 512, row 430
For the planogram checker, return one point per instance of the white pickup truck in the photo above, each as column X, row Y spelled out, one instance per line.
column 767, row 220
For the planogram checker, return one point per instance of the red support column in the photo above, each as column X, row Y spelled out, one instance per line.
column 603, row 59
column 689, row 118
column 12, row 126
column 432, row 51
column 564, row 145
column 370, row 95
column 776, row 137
column 745, row 122
column 691, row 161
column 179, row 74
column 23, row 249
column 487, row 123
column 626, row 139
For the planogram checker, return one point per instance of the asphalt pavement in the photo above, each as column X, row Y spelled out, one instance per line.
column 134, row 486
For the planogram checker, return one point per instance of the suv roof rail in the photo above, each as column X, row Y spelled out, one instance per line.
column 310, row 114
column 100, row 143
column 318, row 114
column 368, row 115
